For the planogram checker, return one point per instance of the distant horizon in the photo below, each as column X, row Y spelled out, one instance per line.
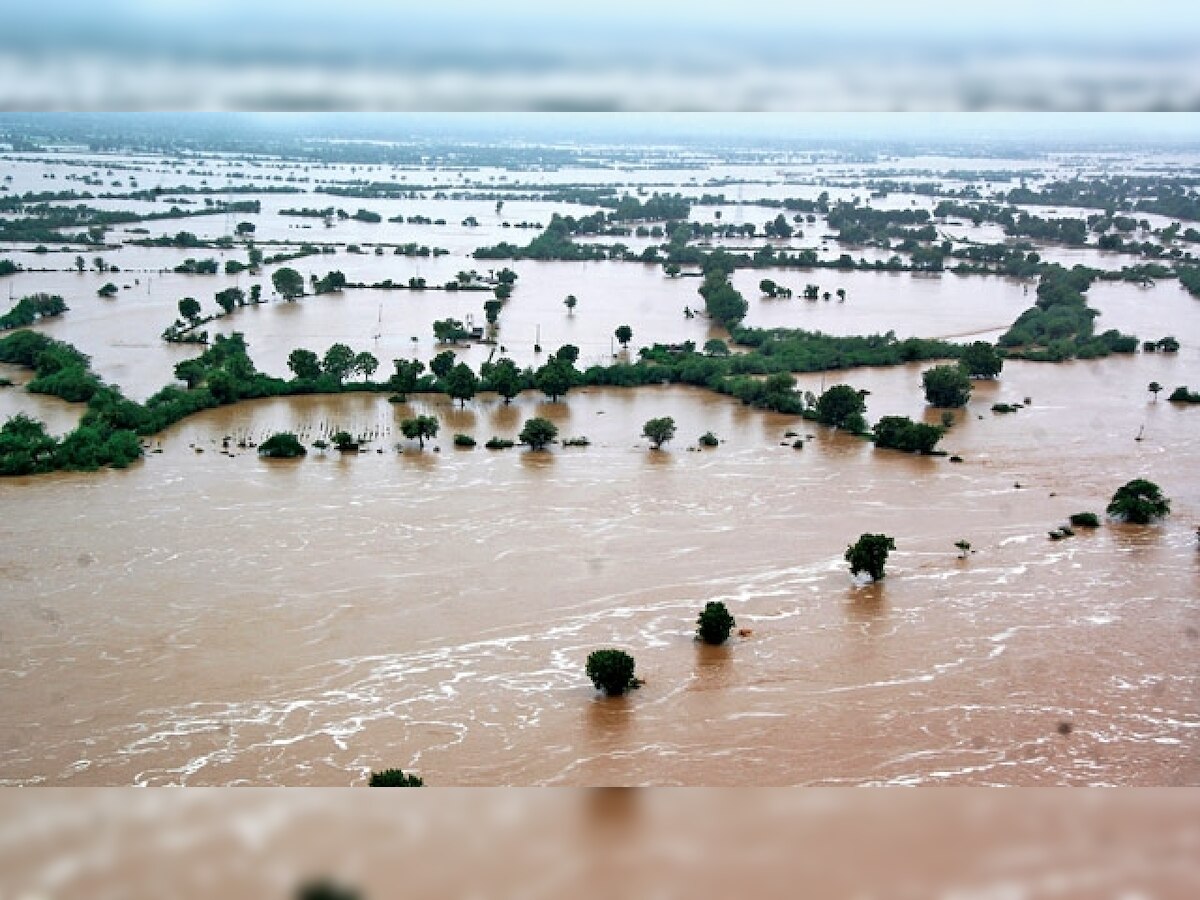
column 926, row 129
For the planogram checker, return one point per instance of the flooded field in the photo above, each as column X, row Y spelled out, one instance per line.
column 207, row 617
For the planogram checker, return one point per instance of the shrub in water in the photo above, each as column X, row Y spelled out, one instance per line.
column 1086, row 520
column 395, row 778
column 464, row 440
column 714, row 623
column 1138, row 501
column 611, row 671
column 283, row 445
column 869, row 554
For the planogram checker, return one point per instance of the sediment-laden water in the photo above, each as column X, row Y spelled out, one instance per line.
column 209, row 617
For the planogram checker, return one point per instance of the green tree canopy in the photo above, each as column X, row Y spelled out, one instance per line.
column 538, row 432
column 611, row 671
column 230, row 298
column 869, row 554
column 404, row 382
column 441, row 364
column 449, row 330
column 304, row 364
column 841, row 406
column 1138, row 502
column 289, row 283
column 338, row 361
column 981, row 360
column 506, row 379
column 946, row 386
column 461, row 383
column 419, row 428
column 714, row 623
column 365, row 364
column 659, row 431
column 392, row 778
column 283, row 445
column 723, row 303
column 902, row 433
column 189, row 308
column 554, row 379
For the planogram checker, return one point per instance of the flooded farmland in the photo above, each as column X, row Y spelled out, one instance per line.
column 210, row 617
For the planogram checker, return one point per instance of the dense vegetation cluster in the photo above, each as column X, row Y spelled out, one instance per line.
column 29, row 309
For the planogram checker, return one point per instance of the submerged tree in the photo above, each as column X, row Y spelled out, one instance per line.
column 659, row 431
column 714, row 623
column 365, row 364
column 419, row 428
column 611, row 671
column 841, row 406
column 289, row 283
column 980, row 360
column 441, row 364
column 189, row 308
column 506, row 379
column 869, row 554
column 304, row 364
column 1138, row 502
column 395, row 778
column 902, row 433
column 554, row 379
column 946, row 386
column 283, row 445
column 538, row 432
column 338, row 361
column 404, row 382
column 461, row 383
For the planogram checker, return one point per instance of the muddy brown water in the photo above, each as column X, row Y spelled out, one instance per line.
column 205, row 618
column 208, row 617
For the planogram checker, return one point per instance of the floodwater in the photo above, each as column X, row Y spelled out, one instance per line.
column 209, row 617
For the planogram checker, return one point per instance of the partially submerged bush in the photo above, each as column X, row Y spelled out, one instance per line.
column 1085, row 520
column 869, row 554
column 395, row 778
column 538, row 432
column 902, row 433
column 496, row 443
column 464, row 440
column 283, row 445
column 1139, row 502
column 611, row 671
column 714, row 623
column 708, row 439
column 659, row 431
column 326, row 890
column 344, row 440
